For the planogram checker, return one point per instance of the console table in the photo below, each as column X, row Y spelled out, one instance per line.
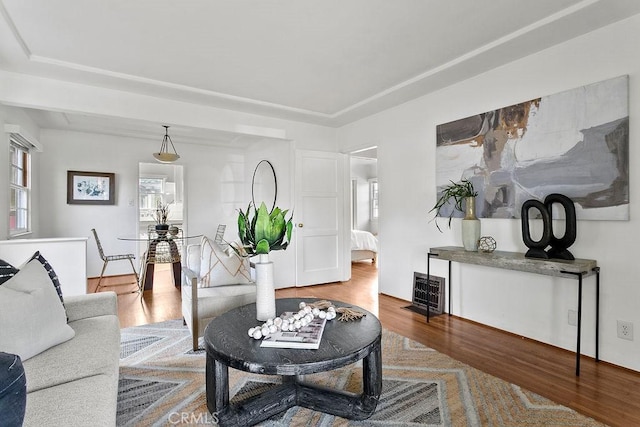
column 576, row 269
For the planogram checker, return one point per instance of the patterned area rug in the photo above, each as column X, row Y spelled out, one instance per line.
column 162, row 383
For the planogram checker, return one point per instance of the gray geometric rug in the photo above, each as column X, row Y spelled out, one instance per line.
column 162, row 383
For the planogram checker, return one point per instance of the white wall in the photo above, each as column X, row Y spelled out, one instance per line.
column 531, row 305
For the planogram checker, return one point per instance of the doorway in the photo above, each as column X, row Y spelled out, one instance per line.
column 159, row 183
column 363, row 166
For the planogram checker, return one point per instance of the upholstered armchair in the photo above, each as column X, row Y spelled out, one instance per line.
column 216, row 281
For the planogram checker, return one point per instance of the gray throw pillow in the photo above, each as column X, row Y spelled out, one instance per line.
column 52, row 274
column 32, row 318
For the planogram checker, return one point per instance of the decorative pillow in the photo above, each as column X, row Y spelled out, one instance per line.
column 52, row 274
column 219, row 268
column 7, row 271
column 31, row 315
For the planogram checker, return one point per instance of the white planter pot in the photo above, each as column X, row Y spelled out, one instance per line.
column 265, row 292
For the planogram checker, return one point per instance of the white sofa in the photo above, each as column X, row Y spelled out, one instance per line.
column 216, row 281
column 76, row 383
column 69, row 342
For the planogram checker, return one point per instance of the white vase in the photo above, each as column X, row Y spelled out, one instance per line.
column 470, row 226
column 265, row 292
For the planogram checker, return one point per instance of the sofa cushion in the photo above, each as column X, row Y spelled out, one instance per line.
column 89, row 401
column 219, row 267
column 95, row 349
column 31, row 314
column 7, row 271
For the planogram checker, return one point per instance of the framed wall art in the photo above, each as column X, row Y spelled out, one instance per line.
column 574, row 143
column 90, row 188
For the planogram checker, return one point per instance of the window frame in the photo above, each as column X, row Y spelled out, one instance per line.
column 373, row 199
column 24, row 172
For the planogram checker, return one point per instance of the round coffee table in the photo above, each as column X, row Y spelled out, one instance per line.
column 228, row 345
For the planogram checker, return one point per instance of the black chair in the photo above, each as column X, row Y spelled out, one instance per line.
column 107, row 258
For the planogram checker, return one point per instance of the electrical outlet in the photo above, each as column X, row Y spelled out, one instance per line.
column 625, row 330
column 573, row 318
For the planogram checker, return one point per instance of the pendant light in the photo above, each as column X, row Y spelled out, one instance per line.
column 164, row 156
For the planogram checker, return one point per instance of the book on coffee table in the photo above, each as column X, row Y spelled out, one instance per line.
column 307, row 337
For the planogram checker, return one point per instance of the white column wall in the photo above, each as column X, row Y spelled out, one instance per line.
column 531, row 305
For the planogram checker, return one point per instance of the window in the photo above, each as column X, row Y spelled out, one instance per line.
column 373, row 198
column 19, row 188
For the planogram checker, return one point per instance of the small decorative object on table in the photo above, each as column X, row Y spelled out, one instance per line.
column 302, row 329
column 487, row 244
column 260, row 232
column 461, row 192
column 161, row 215
column 559, row 246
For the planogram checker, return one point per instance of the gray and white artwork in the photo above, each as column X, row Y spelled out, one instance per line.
column 575, row 143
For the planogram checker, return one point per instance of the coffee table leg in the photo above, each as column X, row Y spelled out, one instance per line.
column 346, row 405
column 372, row 379
column 217, row 379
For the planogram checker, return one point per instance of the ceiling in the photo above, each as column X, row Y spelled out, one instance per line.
column 326, row 62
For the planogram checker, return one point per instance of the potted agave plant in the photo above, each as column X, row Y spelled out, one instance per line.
column 261, row 232
column 459, row 193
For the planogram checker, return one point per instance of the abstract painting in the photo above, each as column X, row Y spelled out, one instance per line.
column 575, row 143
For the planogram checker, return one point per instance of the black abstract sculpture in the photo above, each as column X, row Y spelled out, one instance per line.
column 559, row 245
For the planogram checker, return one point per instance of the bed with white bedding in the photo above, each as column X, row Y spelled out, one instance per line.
column 364, row 246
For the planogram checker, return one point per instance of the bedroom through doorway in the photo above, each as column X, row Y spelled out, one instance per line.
column 364, row 213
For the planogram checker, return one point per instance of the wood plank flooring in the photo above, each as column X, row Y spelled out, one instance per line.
column 605, row 392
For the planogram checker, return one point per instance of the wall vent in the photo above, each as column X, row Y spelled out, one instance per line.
column 428, row 293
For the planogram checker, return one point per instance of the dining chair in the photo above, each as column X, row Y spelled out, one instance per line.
column 107, row 258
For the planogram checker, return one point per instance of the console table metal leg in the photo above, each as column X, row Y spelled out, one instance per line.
column 449, row 296
column 597, row 270
column 429, row 255
column 579, row 325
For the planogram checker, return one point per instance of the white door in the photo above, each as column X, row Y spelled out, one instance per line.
column 319, row 216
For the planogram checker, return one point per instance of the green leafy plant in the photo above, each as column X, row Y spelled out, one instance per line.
column 458, row 191
column 261, row 231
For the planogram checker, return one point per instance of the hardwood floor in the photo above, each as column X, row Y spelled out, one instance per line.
column 605, row 392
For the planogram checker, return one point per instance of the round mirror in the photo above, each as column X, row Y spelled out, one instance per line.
column 264, row 186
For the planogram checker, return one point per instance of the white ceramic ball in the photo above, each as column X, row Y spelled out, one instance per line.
column 278, row 321
column 322, row 314
column 257, row 334
column 284, row 327
column 302, row 304
column 273, row 329
column 297, row 324
column 265, row 331
column 251, row 331
column 307, row 309
column 332, row 308
column 269, row 322
column 315, row 311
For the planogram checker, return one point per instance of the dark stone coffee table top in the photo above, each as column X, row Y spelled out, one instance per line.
column 226, row 340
